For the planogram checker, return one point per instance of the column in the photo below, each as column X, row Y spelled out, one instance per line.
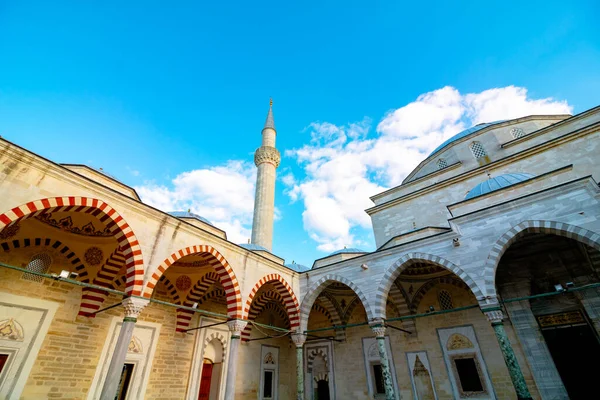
column 495, row 316
column 133, row 307
column 299, row 340
column 379, row 329
column 236, row 327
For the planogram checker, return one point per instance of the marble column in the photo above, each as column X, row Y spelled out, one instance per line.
column 236, row 327
column 299, row 339
column 495, row 316
column 379, row 329
column 133, row 307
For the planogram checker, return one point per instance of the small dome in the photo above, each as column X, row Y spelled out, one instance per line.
column 187, row 214
column 297, row 267
column 347, row 250
column 252, row 247
column 464, row 133
column 496, row 183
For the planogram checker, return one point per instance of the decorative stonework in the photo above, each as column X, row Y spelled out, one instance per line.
column 133, row 306
column 298, row 339
column 517, row 132
column 494, row 316
column 458, row 341
column 236, row 327
column 373, row 351
column 571, row 317
column 94, row 256
column 11, row 330
column 10, row 231
column 135, row 346
column 378, row 329
column 267, row 154
column 66, row 224
column 269, row 359
column 183, row 283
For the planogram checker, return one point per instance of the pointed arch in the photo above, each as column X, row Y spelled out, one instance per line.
column 49, row 242
column 315, row 290
column 430, row 284
column 400, row 299
column 200, row 288
column 106, row 214
column 259, row 304
column 336, row 318
column 222, row 268
column 285, row 290
column 570, row 231
column 92, row 298
column 396, row 269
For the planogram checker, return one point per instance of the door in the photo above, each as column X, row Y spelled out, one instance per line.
column 126, row 375
column 574, row 349
column 207, row 369
column 323, row 390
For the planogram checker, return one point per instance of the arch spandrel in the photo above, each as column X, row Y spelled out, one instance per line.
column 570, row 231
column 394, row 271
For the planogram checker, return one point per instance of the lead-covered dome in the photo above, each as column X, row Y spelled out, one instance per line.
column 347, row 250
column 297, row 267
column 188, row 214
column 464, row 133
column 496, row 183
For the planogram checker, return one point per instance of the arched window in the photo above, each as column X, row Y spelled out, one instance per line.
column 445, row 300
column 442, row 163
column 39, row 263
column 477, row 150
column 517, row 132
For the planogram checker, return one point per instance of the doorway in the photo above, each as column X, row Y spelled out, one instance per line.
column 322, row 390
column 205, row 379
column 572, row 348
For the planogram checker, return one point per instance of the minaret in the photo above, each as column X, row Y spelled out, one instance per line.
column 267, row 160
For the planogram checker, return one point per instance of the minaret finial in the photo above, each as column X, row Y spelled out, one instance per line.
column 271, row 102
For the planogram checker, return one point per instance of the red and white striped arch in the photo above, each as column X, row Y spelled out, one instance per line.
column 105, row 213
column 222, row 268
column 286, row 292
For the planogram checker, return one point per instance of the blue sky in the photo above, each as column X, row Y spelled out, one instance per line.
column 172, row 99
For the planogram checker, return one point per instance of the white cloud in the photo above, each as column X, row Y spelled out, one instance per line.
column 223, row 194
column 343, row 166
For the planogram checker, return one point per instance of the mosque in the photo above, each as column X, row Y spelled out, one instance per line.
column 484, row 283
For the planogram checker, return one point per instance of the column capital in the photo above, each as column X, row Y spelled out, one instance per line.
column 378, row 327
column 236, row 326
column 495, row 316
column 298, row 339
column 133, row 307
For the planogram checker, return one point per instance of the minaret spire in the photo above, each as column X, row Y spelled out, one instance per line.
column 267, row 160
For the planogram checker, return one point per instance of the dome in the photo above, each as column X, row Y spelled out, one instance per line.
column 187, row 214
column 345, row 250
column 464, row 133
column 496, row 183
column 297, row 267
column 252, row 247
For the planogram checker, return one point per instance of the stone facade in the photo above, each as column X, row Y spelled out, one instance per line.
column 425, row 291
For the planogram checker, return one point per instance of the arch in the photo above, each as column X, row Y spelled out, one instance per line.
column 314, row 353
column 219, row 337
column 334, row 313
column 430, row 284
column 570, row 231
column 315, row 290
column 222, row 268
column 285, row 290
column 396, row 269
column 55, row 244
column 200, row 288
column 261, row 303
column 91, row 298
column 105, row 213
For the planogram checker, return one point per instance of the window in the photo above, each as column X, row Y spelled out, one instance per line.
column 268, row 385
column 39, row 263
column 478, row 150
column 378, row 376
column 3, row 361
column 126, row 375
column 445, row 300
column 517, row 132
column 468, row 375
column 442, row 163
